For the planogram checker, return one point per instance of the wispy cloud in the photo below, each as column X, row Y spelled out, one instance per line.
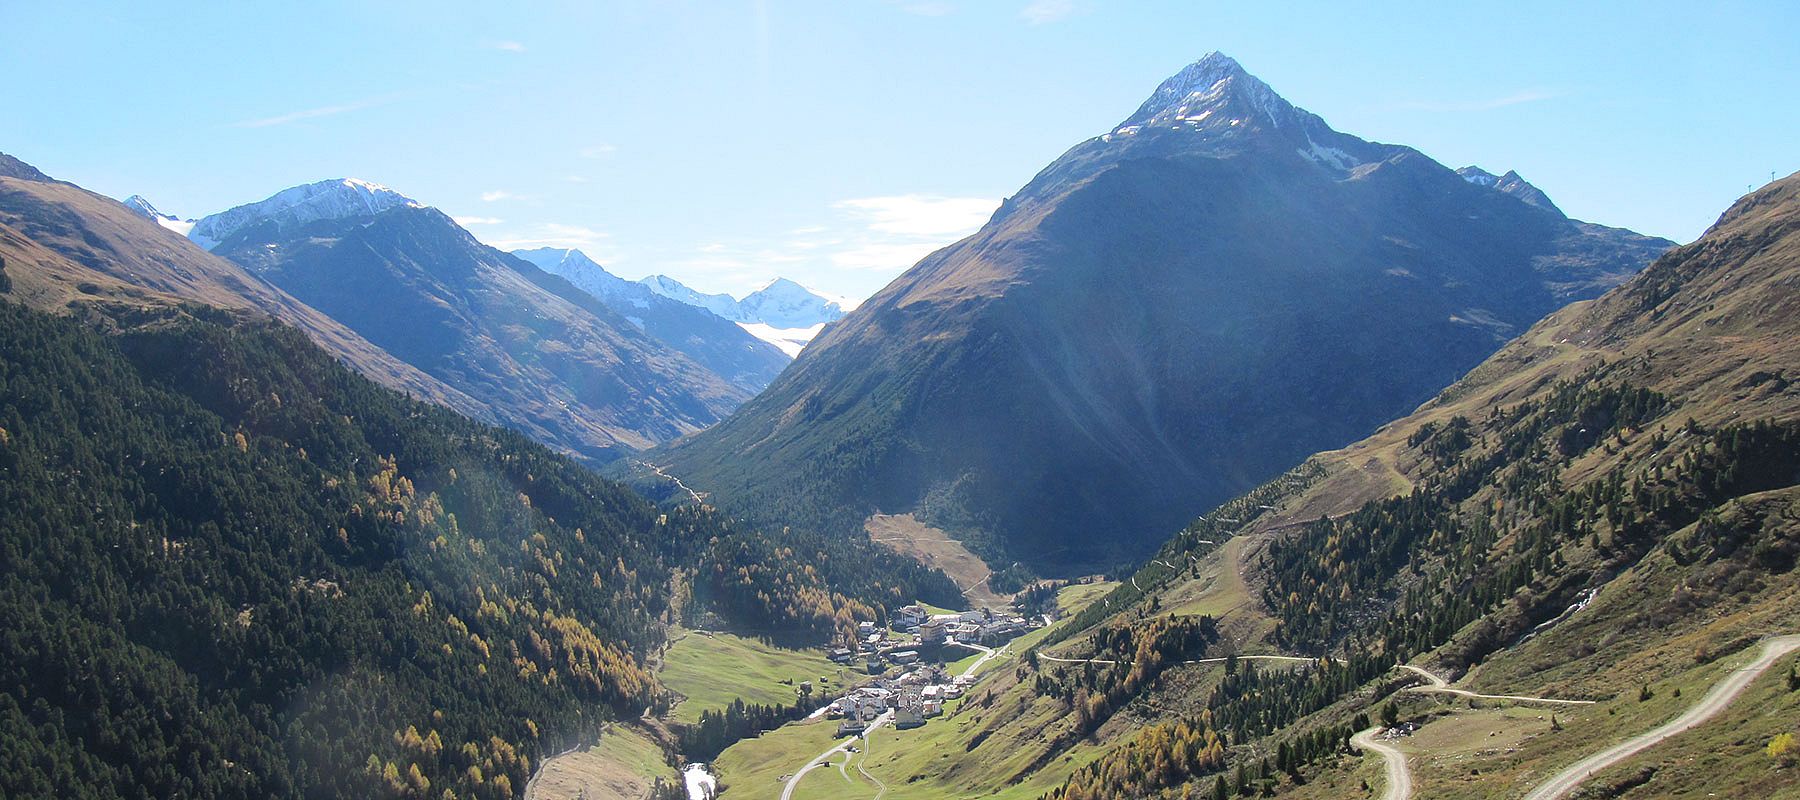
column 920, row 214
column 509, row 46
column 552, row 234
column 857, row 245
column 314, row 113
column 1516, row 98
column 923, row 8
column 498, row 194
column 601, row 150
column 467, row 221
column 1044, row 12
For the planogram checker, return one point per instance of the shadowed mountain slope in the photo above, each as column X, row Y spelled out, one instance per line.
column 1164, row 317
column 66, row 248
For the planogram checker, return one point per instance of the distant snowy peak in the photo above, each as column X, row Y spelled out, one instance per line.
column 1511, row 184
column 723, row 305
column 560, row 261
column 586, row 274
column 137, row 203
column 787, row 305
column 783, row 313
column 340, row 198
column 142, row 206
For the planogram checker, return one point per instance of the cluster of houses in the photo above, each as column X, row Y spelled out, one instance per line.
column 903, row 656
column 913, row 696
column 983, row 627
column 921, row 635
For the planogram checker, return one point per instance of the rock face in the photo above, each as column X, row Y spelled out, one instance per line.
column 546, row 357
column 1164, row 317
column 723, row 347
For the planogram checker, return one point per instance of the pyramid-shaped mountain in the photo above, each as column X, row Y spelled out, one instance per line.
column 1165, row 316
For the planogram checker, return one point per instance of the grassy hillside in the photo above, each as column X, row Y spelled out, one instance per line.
column 709, row 670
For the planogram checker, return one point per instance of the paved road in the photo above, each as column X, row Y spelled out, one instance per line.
column 1399, row 779
column 1723, row 692
column 1440, row 686
column 787, row 792
column 987, row 654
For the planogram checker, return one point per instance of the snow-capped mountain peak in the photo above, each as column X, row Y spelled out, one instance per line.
column 723, row 305
column 1214, row 92
column 1214, row 100
column 338, row 198
column 142, row 206
column 786, row 304
column 1511, row 183
column 559, row 260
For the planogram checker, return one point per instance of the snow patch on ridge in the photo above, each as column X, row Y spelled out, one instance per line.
column 789, row 340
column 340, row 198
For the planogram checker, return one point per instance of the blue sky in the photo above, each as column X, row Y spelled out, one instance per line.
column 836, row 142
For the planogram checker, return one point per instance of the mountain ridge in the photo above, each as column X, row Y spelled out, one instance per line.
column 74, row 251
column 726, row 349
column 335, row 198
column 546, row 356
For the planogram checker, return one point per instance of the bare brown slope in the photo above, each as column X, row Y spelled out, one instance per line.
column 1712, row 323
column 65, row 247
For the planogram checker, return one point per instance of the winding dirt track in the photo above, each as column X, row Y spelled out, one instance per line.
column 1057, row 660
column 1715, row 701
column 1399, row 779
column 1440, row 686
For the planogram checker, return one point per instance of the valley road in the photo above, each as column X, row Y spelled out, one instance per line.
column 1399, row 779
column 787, row 792
column 1723, row 692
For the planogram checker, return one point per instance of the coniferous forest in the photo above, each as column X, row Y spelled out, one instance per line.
column 234, row 568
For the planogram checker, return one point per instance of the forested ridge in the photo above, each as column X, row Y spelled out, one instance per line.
column 234, row 568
